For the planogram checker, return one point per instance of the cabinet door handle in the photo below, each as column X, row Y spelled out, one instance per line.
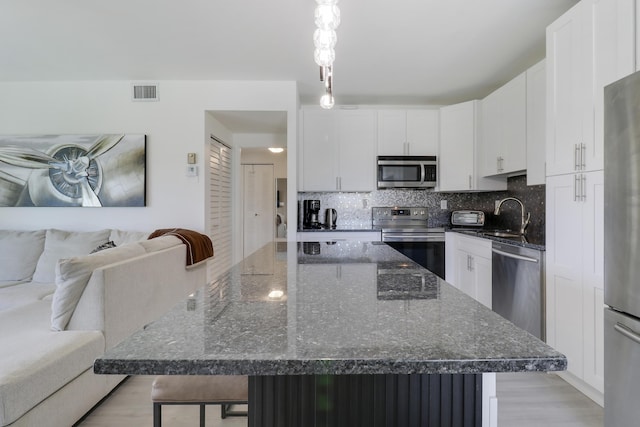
column 583, row 187
column 576, row 184
column 576, row 157
column 583, row 156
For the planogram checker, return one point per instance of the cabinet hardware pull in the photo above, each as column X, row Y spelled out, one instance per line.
column 583, row 156
column 576, row 156
column 576, row 180
column 583, row 187
column 627, row 332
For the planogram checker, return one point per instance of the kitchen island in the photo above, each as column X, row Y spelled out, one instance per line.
column 337, row 333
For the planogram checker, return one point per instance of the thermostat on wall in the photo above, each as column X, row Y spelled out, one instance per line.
column 192, row 170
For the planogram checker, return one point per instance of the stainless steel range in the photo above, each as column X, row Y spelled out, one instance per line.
column 406, row 230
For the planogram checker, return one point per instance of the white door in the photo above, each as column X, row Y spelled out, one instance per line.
column 258, row 207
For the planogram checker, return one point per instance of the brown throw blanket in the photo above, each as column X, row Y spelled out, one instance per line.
column 199, row 246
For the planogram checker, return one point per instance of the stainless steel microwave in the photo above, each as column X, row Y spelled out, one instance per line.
column 407, row 172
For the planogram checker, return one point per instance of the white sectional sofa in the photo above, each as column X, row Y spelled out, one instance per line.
column 61, row 307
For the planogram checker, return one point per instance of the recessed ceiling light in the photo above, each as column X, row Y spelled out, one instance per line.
column 276, row 149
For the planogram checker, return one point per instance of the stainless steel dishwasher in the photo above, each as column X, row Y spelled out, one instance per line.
column 518, row 287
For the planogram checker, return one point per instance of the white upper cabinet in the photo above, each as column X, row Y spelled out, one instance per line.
column 590, row 46
column 408, row 132
column 504, row 129
column 458, row 151
column 536, row 123
column 338, row 150
column 356, row 150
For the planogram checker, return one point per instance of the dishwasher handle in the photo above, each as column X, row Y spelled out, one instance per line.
column 516, row 256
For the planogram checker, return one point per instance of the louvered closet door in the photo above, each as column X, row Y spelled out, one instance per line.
column 220, row 208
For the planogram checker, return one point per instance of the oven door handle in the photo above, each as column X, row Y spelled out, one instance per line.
column 397, row 237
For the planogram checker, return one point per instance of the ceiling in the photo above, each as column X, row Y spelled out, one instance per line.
column 388, row 52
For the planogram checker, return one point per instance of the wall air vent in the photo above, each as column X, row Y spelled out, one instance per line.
column 144, row 92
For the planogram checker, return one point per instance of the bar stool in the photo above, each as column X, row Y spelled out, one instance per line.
column 224, row 390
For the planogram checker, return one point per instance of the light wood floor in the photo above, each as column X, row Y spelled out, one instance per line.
column 524, row 400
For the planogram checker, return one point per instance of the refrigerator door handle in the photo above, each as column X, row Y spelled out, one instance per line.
column 627, row 332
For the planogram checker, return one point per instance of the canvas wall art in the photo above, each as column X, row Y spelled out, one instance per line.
column 73, row 170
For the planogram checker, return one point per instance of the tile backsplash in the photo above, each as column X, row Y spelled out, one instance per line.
column 354, row 209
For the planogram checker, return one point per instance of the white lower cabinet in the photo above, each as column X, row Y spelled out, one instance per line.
column 575, row 276
column 469, row 267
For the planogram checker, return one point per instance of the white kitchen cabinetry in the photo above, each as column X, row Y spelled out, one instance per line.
column 470, row 265
column 590, row 46
column 338, row 152
column 574, row 275
column 459, row 151
column 504, row 129
column 408, row 132
column 536, row 123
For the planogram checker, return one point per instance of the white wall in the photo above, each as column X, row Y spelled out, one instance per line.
column 174, row 126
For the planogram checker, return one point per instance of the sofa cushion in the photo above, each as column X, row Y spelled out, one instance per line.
column 72, row 275
column 20, row 253
column 7, row 283
column 160, row 243
column 121, row 237
column 35, row 361
column 15, row 296
column 65, row 244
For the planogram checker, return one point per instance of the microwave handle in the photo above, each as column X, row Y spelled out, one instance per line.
column 423, row 173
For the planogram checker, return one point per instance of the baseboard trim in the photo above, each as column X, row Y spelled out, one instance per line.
column 582, row 387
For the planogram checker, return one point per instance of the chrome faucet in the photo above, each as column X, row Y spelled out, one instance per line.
column 525, row 218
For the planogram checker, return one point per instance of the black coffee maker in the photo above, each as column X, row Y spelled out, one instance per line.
column 310, row 211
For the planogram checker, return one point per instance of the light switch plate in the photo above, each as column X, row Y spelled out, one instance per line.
column 191, row 158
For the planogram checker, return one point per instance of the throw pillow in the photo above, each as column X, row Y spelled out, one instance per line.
column 73, row 274
column 65, row 244
column 121, row 237
column 102, row 247
column 19, row 253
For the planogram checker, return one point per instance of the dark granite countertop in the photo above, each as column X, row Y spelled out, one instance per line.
column 346, row 308
column 531, row 242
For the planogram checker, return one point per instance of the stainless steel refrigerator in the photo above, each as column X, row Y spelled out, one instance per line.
column 622, row 252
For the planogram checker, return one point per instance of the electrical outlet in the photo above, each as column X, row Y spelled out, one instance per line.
column 443, row 204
